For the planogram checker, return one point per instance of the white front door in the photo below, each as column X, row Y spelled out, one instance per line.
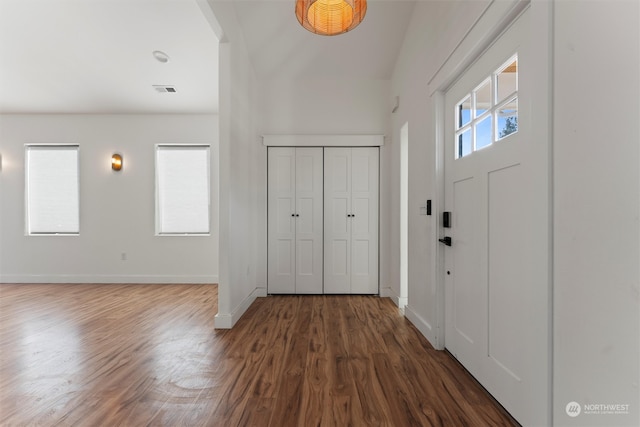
column 492, row 300
column 351, row 220
column 295, row 220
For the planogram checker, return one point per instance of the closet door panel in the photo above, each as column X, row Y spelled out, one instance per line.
column 364, row 223
column 339, row 223
column 337, row 229
column 309, row 220
column 281, row 223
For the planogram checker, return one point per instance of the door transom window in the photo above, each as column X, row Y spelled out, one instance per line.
column 489, row 113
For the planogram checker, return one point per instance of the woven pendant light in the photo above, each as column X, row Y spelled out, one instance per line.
column 330, row 17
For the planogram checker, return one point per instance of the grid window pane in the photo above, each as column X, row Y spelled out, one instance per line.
column 507, row 119
column 483, row 133
column 182, row 174
column 483, row 98
column 464, row 112
column 52, row 190
column 507, row 81
column 489, row 113
column 464, row 143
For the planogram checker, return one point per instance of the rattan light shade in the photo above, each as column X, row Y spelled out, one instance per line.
column 330, row 17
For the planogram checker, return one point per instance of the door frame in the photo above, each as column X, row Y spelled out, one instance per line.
column 495, row 20
column 498, row 17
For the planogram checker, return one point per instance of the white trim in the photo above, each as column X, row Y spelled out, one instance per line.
column 424, row 327
column 33, row 148
column 223, row 321
column 205, row 8
column 158, row 148
column 397, row 300
column 323, row 140
column 496, row 19
column 108, row 278
column 437, row 262
column 228, row 320
column 448, row 74
column 386, row 292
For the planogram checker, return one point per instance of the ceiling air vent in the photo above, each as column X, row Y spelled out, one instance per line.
column 164, row 89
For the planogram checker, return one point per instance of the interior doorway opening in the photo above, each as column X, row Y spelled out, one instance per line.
column 404, row 215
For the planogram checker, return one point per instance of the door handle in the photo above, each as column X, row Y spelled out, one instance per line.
column 446, row 241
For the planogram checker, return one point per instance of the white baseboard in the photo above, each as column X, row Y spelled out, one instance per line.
column 423, row 326
column 227, row 320
column 397, row 300
column 110, row 278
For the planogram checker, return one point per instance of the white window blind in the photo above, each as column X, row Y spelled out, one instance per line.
column 52, row 189
column 182, row 182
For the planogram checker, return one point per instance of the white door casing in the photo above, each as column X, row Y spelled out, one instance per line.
column 491, row 302
column 295, row 220
column 351, row 220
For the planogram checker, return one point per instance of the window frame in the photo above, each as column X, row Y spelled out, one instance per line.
column 496, row 105
column 27, row 194
column 158, row 214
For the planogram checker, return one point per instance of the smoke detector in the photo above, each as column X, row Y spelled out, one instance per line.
column 164, row 89
column 160, row 56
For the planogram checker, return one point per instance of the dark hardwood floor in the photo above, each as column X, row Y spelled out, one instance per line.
column 148, row 355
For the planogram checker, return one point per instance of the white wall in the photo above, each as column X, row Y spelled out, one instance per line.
column 596, row 253
column 435, row 30
column 341, row 107
column 242, row 157
column 117, row 210
column 442, row 40
column 595, row 187
column 324, row 106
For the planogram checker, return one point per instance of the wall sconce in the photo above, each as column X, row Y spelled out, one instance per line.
column 116, row 162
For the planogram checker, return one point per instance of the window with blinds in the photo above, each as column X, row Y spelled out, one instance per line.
column 182, row 189
column 52, row 190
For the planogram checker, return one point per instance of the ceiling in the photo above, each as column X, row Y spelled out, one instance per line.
column 95, row 56
column 280, row 47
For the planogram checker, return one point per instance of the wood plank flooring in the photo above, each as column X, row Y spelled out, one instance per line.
column 148, row 355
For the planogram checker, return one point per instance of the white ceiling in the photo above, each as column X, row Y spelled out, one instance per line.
column 280, row 47
column 95, row 56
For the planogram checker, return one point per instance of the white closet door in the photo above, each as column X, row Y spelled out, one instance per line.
column 364, row 220
column 282, row 220
column 351, row 220
column 337, row 228
column 295, row 220
column 308, row 220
